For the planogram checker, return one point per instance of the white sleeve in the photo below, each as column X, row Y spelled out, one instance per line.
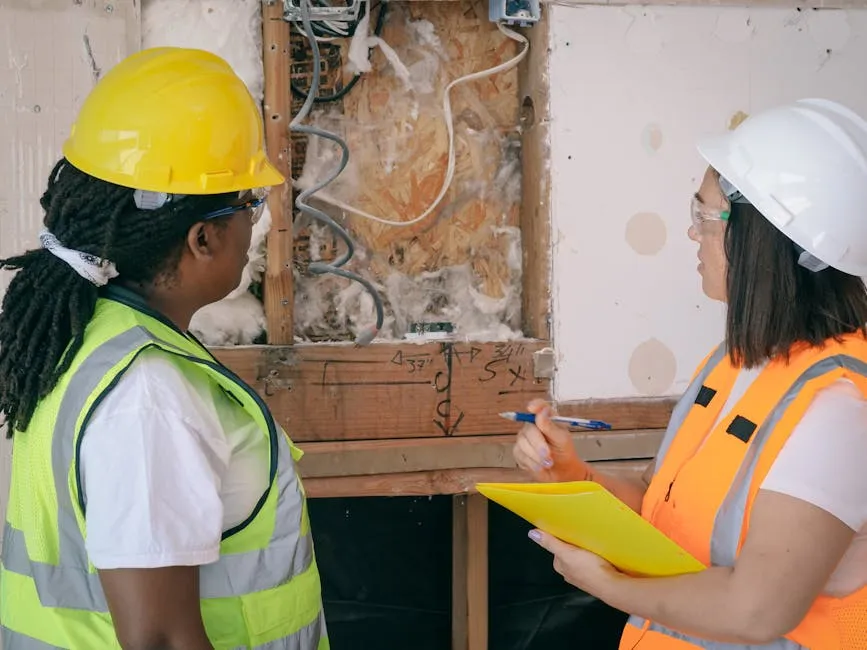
column 823, row 460
column 152, row 460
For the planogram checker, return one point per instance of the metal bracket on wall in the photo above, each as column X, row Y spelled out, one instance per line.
column 524, row 13
column 544, row 363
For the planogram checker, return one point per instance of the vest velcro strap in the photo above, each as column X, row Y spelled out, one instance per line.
column 705, row 395
column 741, row 428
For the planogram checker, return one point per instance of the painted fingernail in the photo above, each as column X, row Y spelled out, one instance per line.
column 535, row 535
column 547, row 463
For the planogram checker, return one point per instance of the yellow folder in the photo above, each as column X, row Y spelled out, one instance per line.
column 585, row 514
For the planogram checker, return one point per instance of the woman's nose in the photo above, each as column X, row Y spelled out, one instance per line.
column 692, row 233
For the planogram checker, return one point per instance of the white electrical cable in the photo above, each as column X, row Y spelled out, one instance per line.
column 447, row 116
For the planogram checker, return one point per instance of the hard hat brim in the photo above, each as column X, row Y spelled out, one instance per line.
column 267, row 176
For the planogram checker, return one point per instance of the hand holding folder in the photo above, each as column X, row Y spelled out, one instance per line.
column 585, row 514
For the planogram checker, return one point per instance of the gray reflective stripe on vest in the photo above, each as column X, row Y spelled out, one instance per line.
column 779, row 644
column 686, row 402
column 729, row 520
column 82, row 384
column 307, row 638
column 10, row 640
column 71, row 585
column 285, row 556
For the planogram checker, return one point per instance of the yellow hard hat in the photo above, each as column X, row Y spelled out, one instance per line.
column 172, row 120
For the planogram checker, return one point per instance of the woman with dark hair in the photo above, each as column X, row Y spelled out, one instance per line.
column 154, row 501
column 760, row 474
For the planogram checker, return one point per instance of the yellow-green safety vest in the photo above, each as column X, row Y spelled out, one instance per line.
column 264, row 591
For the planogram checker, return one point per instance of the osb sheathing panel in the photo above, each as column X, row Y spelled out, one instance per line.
column 402, row 159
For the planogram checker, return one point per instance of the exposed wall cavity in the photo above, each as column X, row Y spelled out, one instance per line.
column 461, row 264
column 632, row 89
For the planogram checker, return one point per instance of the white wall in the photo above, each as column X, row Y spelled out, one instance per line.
column 632, row 88
column 51, row 54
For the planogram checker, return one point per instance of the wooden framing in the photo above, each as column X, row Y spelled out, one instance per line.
column 409, row 419
column 535, row 186
column 279, row 294
column 340, row 392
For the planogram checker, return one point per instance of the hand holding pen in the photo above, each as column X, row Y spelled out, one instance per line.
column 545, row 448
column 578, row 423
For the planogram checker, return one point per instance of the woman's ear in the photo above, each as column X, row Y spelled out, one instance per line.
column 200, row 241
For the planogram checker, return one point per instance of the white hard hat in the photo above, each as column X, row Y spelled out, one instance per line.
column 804, row 167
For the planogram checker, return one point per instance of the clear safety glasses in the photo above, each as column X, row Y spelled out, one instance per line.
column 701, row 214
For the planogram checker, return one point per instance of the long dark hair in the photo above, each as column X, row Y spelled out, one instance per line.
column 773, row 302
column 48, row 305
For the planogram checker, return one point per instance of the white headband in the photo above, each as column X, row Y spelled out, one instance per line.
column 92, row 268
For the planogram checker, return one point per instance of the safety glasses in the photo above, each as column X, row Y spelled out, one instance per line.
column 254, row 205
column 701, row 214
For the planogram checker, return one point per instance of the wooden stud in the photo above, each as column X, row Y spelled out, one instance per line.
column 278, row 289
column 470, row 573
column 477, row 572
column 460, row 553
column 535, row 183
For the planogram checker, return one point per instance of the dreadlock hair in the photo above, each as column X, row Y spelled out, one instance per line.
column 48, row 305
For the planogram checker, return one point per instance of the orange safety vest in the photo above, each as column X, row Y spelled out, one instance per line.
column 704, row 484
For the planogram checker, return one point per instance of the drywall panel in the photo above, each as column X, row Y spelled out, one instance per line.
column 54, row 51
column 632, row 88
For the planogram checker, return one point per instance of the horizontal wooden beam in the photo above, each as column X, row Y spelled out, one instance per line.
column 749, row 4
column 367, row 457
column 626, row 413
column 809, row 4
column 324, row 391
column 453, row 481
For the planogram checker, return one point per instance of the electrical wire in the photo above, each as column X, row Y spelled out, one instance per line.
column 340, row 94
column 447, row 116
column 301, row 201
column 319, row 268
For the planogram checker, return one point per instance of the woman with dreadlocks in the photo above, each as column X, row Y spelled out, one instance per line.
column 154, row 501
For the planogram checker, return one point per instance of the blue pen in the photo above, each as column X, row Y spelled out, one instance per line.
column 572, row 422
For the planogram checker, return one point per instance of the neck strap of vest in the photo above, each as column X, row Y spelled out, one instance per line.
column 131, row 299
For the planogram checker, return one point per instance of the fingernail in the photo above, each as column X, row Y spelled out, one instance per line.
column 547, row 463
column 535, row 535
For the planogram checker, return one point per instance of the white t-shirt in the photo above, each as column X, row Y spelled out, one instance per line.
column 168, row 462
column 822, row 463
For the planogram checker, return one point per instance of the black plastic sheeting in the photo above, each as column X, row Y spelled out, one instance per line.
column 386, row 577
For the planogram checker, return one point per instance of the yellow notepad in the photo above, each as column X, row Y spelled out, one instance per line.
column 585, row 514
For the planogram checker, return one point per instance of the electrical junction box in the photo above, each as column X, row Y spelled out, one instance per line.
column 524, row 13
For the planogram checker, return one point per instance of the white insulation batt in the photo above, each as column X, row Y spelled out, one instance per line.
column 231, row 29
